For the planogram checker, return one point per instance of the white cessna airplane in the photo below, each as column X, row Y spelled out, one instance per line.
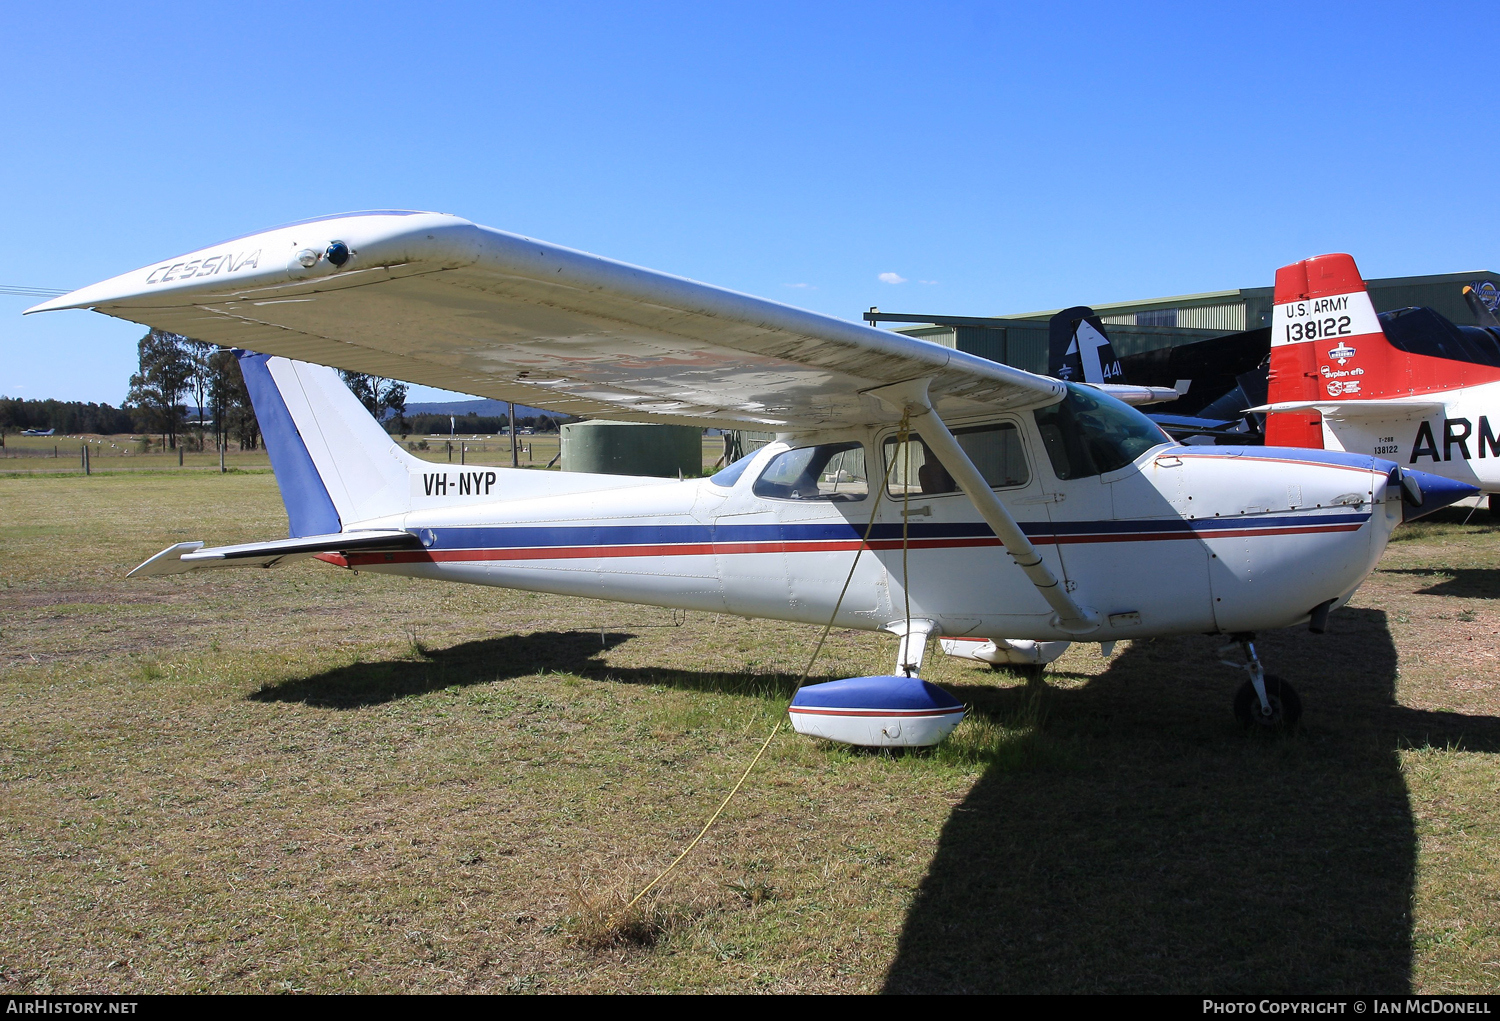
column 1038, row 512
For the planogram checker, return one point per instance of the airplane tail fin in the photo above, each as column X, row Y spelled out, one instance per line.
column 339, row 470
column 1078, row 349
column 334, row 463
column 1326, row 343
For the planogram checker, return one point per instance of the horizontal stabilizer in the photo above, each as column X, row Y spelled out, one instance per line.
column 1131, row 394
column 1179, row 426
column 1386, row 411
column 190, row 556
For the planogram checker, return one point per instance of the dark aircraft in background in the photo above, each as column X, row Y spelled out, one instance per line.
column 1217, row 379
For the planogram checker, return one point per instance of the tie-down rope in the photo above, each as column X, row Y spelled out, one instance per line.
column 901, row 438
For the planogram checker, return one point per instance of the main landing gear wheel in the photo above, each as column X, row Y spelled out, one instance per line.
column 1264, row 702
column 1286, row 705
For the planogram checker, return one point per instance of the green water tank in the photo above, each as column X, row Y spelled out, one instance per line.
column 632, row 448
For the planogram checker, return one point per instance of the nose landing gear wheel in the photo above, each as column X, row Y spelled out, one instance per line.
column 1286, row 705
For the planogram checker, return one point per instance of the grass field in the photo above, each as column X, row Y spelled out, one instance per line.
column 306, row 779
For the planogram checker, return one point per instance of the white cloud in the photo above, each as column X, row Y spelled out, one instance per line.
column 891, row 278
column 803, row 287
column 926, row 281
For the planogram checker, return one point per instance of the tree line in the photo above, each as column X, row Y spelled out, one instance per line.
column 173, row 367
column 174, row 370
column 426, row 424
column 65, row 416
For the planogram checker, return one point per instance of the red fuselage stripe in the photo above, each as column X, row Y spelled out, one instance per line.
column 693, row 549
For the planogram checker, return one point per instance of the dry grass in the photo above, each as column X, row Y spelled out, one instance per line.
column 306, row 779
column 614, row 919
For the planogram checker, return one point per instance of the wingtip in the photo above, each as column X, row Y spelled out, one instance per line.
column 168, row 561
column 56, row 304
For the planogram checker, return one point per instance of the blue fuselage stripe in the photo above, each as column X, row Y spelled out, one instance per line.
column 533, row 537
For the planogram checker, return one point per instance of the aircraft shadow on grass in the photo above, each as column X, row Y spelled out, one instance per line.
column 502, row 658
column 1141, row 841
column 1464, row 582
column 1151, row 846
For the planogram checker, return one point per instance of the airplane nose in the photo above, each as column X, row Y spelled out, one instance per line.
column 1423, row 492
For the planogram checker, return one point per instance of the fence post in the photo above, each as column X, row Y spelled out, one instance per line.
column 87, row 454
column 221, row 459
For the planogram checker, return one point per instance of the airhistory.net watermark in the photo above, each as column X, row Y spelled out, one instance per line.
column 50, row 1005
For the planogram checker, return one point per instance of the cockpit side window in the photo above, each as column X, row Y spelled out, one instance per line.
column 994, row 449
column 829, row 471
column 1090, row 433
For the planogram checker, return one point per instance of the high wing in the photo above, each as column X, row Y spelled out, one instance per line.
column 435, row 299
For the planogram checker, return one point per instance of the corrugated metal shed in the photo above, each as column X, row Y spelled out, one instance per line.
column 1138, row 326
column 1226, row 316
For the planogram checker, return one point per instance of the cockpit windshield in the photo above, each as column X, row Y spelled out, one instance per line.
column 1090, row 433
column 727, row 477
column 1422, row 331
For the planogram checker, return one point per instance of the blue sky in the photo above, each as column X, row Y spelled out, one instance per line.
column 996, row 158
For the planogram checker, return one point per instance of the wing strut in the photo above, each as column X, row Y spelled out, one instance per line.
column 912, row 396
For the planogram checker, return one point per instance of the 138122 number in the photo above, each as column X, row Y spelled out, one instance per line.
column 1318, row 329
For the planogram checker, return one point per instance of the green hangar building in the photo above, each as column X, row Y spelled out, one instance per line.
column 1139, row 326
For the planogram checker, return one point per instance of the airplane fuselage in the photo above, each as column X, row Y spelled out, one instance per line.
column 1459, row 440
column 1181, row 540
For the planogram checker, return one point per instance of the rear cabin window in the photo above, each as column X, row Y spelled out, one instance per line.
column 994, row 449
column 1090, row 433
column 829, row 471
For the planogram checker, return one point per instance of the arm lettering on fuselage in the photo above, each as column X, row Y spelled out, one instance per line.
column 1424, row 445
column 1452, row 437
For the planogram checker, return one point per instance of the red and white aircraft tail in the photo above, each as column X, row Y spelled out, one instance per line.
column 1322, row 322
column 1408, row 385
